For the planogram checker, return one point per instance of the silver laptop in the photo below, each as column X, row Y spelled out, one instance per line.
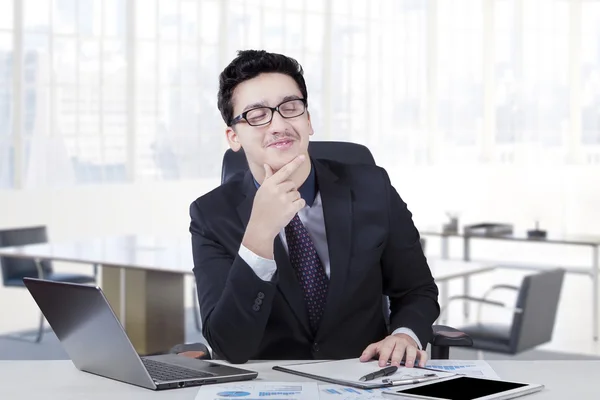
column 96, row 342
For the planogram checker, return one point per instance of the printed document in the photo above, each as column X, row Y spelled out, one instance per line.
column 260, row 390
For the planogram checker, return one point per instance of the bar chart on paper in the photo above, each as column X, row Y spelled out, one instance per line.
column 348, row 393
column 260, row 390
column 471, row 367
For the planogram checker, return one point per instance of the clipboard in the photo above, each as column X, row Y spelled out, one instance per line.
column 348, row 372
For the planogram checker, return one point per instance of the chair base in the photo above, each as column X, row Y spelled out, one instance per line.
column 38, row 333
column 196, row 308
column 32, row 336
column 440, row 352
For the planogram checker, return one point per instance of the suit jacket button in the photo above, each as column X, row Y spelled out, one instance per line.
column 258, row 302
column 256, row 307
column 260, row 295
column 315, row 347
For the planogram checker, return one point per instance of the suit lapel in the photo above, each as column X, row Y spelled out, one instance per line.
column 337, row 212
column 285, row 276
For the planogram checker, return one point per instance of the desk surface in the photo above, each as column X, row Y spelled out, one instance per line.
column 174, row 255
column 51, row 380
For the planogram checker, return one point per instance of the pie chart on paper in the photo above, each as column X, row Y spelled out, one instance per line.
column 233, row 394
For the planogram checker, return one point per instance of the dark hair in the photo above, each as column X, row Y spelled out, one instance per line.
column 249, row 64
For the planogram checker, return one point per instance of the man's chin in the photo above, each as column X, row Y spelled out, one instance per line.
column 278, row 160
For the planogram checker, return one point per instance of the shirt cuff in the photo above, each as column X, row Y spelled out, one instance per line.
column 262, row 267
column 410, row 333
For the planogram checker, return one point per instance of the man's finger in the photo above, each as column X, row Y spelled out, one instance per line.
column 397, row 354
column 423, row 357
column 287, row 186
column 293, row 195
column 386, row 351
column 369, row 352
column 411, row 355
column 268, row 171
column 288, row 169
column 299, row 204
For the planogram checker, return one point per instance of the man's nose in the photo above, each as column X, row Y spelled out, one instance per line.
column 278, row 123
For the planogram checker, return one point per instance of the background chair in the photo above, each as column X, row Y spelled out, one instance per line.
column 15, row 269
column 534, row 315
column 347, row 152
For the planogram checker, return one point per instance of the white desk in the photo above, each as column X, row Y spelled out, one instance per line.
column 59, row 380
column 143, row 279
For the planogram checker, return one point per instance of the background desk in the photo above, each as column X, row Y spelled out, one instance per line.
column 143, row 279
column 59, row 380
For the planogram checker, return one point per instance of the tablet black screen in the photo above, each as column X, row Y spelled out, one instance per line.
column 463, row 388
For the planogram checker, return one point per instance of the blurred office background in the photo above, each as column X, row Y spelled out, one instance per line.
column 488, row 109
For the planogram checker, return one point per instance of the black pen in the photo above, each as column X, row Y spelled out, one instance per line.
column 378, row 374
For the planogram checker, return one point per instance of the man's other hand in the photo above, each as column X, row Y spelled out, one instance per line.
column 394, row 348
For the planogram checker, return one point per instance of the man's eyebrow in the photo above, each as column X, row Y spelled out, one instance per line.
column 254, row 105
column 291, row 97
column 264, row 103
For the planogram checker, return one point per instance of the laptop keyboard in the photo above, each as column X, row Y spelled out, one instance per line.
column 160, row 371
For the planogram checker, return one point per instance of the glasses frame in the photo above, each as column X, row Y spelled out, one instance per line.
column 242, row 116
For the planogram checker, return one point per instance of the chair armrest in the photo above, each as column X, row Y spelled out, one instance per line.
column 501, row 286
column 447, row 336
column 480, row 301
column 192, row 350
column 508, row 287
column 488, row 302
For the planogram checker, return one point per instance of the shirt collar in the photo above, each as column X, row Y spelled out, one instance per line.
column 308, row 190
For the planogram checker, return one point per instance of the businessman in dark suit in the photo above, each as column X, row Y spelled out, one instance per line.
column 291, row 258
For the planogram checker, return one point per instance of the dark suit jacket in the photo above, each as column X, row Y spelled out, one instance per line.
column 374, row 249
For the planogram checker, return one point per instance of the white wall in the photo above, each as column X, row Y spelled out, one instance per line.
column 565, row 199
column 153, row 208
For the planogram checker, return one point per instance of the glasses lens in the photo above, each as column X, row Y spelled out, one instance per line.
column 258, row 116
column 292, row 108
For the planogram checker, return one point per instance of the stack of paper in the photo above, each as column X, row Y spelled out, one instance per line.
column 348, row 372
column 343, row 370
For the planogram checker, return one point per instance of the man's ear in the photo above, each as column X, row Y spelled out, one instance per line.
column 232, row 139
column 312, row 132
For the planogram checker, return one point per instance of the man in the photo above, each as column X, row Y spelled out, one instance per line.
column 291, row 259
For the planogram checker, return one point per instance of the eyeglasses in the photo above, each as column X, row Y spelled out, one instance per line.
column 264, row 115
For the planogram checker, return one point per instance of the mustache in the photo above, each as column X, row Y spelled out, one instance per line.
column 287, row 134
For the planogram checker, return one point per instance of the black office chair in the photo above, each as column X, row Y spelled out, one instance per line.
column 14, row 269
column 534, row 315
column 235, row 162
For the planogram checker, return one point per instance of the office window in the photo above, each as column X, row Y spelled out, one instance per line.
column 101, row 91
column 545, row 69
column 393, row 100
column 6, row 76
column 73, row 114
column 177, row 125
column 590, row 78
column 460, row 78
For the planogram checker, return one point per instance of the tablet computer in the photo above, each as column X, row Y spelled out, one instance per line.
column 463, row 388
